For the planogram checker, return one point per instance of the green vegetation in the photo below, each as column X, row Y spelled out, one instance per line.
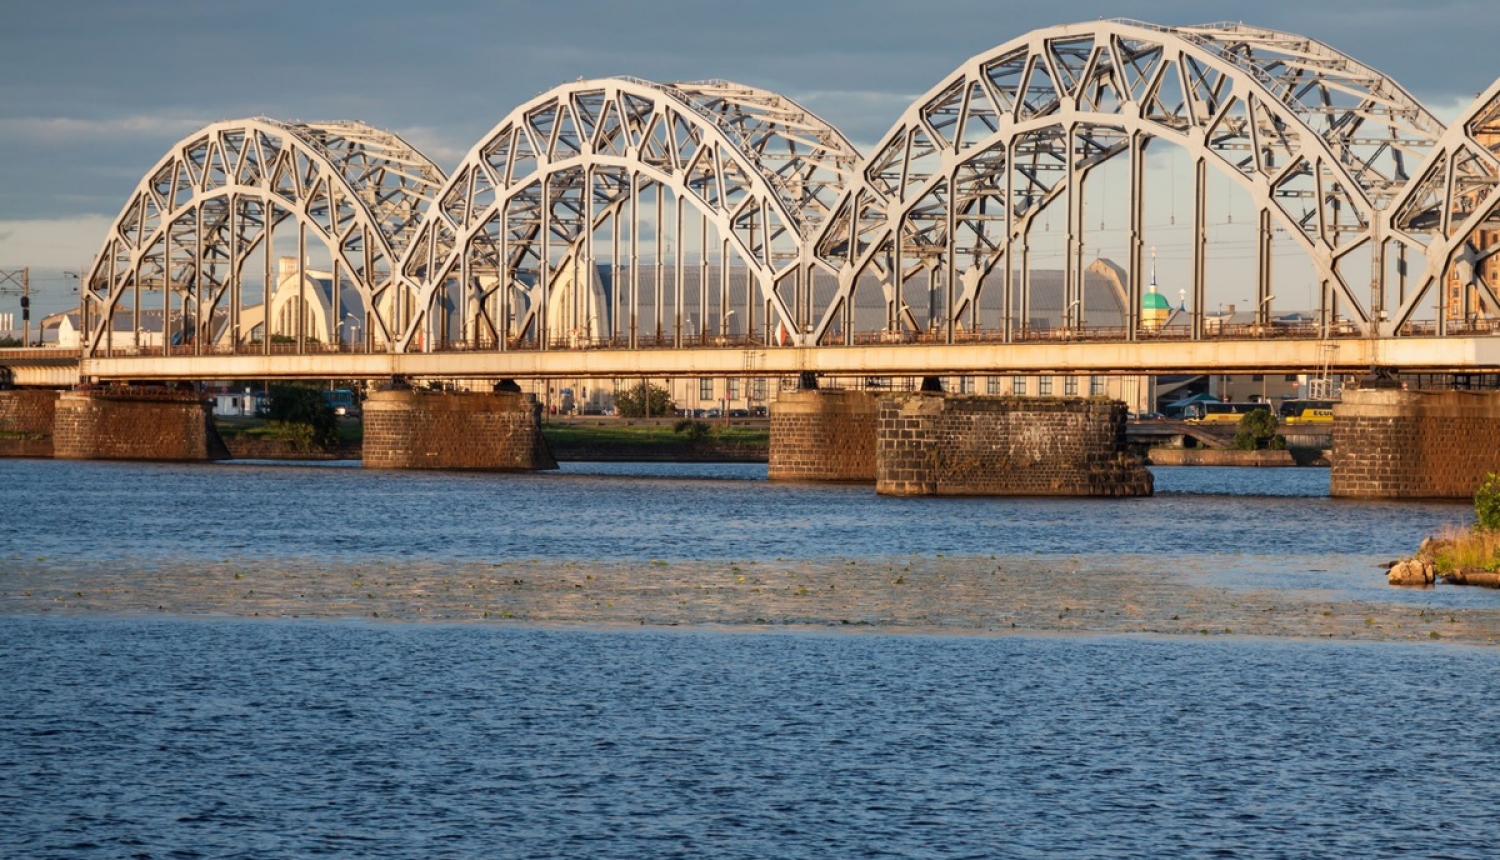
column 646, row 434
column 1479, row 547
column 1474, row 550
column 644, row 400
column 8, row 342
column 1487, row 503
column 695, row 431
column 1257, row 429
column 303, row 416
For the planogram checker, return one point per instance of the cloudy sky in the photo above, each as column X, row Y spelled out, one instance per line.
column 94, row 92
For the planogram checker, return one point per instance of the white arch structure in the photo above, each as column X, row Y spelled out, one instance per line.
column 205, row 218
column 1321, row 143
column 1450, row 204
column 690, row 201
column 630, row 214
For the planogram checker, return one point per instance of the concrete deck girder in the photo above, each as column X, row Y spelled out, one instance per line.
column 1461, row 354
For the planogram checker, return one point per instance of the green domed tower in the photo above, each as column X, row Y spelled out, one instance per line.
column 1155, row 309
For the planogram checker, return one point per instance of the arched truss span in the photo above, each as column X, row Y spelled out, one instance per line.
column 1450, row 213
column 1321, row 143
column 624, row 211
column 200, row 232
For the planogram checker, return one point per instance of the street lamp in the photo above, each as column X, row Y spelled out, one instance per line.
column 354, row 326
column 724, row 327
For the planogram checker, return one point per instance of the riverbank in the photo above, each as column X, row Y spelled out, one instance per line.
column 1009, row 594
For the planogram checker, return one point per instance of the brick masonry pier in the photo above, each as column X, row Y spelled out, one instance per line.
column 26, row 420
column 963, row 445
column 1394, row 444
column 443, row 430
column 135, row 424
column 823, row 436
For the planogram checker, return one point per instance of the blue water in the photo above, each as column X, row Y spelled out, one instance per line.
column 236, row 739
column 638, row 511
column 186, row 738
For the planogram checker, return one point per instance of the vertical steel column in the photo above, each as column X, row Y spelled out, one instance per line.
column 1008, row 314
column 468, row 330
column 703, row 281
column 635, row 259
column 197, row 286
column 335, row 338
column 301, row 286
column 1073, row 260
column 660, row 254
column 1263, row 273
column 1200, row 243
column 544, row 270
column 614, row 275
column 235, row 296
column 267, row 234
column 951, row 273
column 679, row 260
column 166, row 291
column 726, row 301
column 1136, row 200
column 504, row 301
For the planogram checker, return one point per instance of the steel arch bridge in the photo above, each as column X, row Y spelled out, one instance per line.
column 201, row 219
column 625, row 216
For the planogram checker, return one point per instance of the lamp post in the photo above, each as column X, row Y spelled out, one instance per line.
column 354, row 328
column 18, row 283
column 724, row 327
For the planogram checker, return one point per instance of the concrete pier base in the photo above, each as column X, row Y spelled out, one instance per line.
column 131, row 424
column 964, row 445
column 443, row 430
column 1394, row 444
column 823, row 436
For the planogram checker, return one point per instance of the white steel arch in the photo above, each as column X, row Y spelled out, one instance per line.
column 1321, row 144
column 201, row 219
column 1450, row 213
column 555, row 210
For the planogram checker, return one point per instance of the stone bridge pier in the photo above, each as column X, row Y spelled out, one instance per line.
column 500, row 431
column 1395, row 444
column 930, row 443
column 135, row 424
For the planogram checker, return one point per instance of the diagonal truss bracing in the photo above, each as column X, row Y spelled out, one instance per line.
column 190, row 257
column 625, row 213
column 629, row 212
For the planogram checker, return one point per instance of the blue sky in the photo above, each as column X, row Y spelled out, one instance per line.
column 93, row 93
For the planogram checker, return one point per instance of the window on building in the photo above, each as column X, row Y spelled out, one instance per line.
column 758, row 389
column 1018, row 385
column 1290, row 377
column 1257, row 377
column 1070, row 386
column 992, row 385
column 966, row 385
column 1044, row 386
column 705, row 389
column 1097, row 386
column 734, row 389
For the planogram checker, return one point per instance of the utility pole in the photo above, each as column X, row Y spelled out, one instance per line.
column 18, row 283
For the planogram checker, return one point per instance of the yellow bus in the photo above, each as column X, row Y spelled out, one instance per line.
column 1220, row 413
column 1307, row 412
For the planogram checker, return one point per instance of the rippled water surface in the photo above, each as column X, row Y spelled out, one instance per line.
column 227, row 738
column 294, row 739
column 688, row 511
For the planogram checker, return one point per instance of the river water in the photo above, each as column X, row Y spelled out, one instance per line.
column 126, row 736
